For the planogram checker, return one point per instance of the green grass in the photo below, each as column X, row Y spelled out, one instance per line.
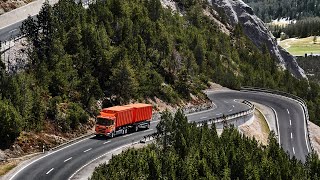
column 299, row 47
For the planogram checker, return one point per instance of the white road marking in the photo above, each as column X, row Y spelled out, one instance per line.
column 48, row 155
column 294, row 152
column 67, row 159
column 87, row 150
column 275, row 112
column 203, row 117
column 106, row 142
column 288, row 111
column 218, row 114
column 148, row 130
column 290, row 122
column 121, row 147
column 291, row 136
column 12, row 31
column 305, row 127
column 225, row 102
column 230, row 110
column 50, row 170
column 127, row 135
column 233, row 106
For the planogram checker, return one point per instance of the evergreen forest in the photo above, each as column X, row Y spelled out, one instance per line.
column 119, row 51
column 305, row 12
column 301, row 29
column 269, row 10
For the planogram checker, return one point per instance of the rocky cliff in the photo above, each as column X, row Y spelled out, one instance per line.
column 238, row 12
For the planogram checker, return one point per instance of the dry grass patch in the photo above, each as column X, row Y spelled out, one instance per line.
column 6, row 167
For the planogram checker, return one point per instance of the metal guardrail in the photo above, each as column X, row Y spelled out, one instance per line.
column 229, row 116
column 222, row 118
column 288, row 95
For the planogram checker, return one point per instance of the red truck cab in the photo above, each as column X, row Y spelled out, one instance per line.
column 105, row 125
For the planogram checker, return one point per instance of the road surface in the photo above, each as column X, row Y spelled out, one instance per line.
column 61, row 164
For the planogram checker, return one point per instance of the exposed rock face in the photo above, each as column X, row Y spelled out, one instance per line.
column 239, row 12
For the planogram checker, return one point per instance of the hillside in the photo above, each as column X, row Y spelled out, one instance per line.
column 116, row 52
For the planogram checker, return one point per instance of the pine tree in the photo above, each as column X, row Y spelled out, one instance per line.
column 10, row 124
column 122, row 81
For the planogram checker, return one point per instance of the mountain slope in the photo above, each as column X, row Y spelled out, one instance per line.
column 240, row 13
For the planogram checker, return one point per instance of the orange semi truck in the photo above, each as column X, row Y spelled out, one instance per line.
column 118, row 119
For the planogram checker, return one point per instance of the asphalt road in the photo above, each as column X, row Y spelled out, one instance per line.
column 10, row 32
column 61, row 164
column 291, row 122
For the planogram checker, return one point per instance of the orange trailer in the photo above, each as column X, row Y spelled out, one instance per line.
column 121, row 118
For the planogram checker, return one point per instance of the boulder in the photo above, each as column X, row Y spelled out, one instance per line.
column 3, row 156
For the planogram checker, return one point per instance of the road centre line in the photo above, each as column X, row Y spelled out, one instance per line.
column 48, row 155
column 67, row 159
column 291, row 136
column 50, row 170
column 121, row 147
column 290, row 122
column 294, row 152
column 288, row 111
column 127, row 135
column 87, row 150
column 106, row 142
column 203, row 117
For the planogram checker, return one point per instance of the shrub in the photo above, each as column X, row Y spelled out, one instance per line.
column 10, row 121
column 76, row 115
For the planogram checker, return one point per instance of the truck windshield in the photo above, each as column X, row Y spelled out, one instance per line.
column 104, row 121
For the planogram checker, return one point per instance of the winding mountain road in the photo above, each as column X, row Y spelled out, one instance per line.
column 64, row 162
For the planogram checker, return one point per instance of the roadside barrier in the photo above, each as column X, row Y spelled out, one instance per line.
column 222, row 118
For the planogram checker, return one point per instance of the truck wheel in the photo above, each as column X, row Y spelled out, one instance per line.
column 136, row 128
column 124, row 131
column 112, row 135
column 148, row 126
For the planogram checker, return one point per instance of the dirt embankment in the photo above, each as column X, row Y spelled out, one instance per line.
column 31, row 143
column 8, row 5
column 315, row 137
column 258, row 129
